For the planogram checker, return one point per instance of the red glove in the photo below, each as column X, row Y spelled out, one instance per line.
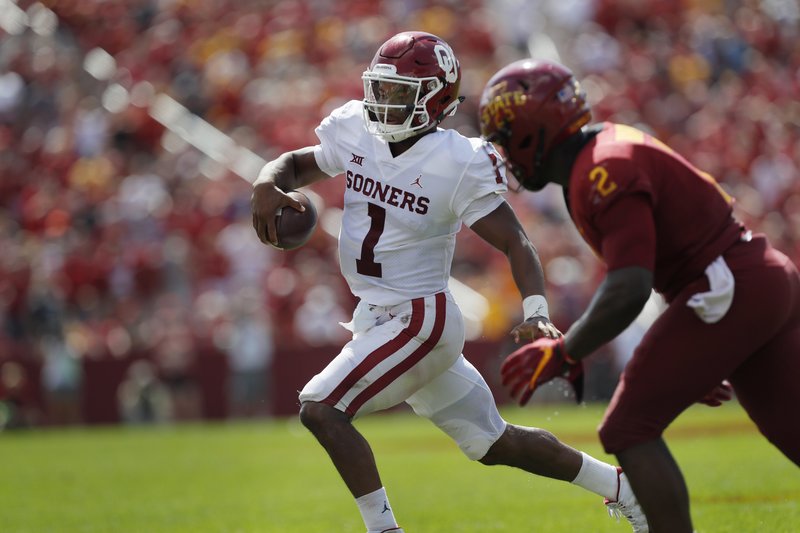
column 539, row 362
column 721, row 393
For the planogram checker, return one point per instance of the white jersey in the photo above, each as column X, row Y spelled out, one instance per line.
column 401, row 214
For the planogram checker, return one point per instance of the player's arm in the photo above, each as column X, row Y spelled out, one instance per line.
column 289, row 171
column 628, row 249
column 501, row 228
column 618, row 301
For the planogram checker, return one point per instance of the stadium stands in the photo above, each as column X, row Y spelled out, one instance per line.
column 121, row 241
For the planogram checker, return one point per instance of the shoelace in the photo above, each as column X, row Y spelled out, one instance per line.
column 618, row 510
column 615, row 510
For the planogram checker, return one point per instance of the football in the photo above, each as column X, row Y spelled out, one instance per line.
column 294, row 227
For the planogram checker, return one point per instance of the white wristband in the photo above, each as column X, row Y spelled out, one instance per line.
column 535, row 305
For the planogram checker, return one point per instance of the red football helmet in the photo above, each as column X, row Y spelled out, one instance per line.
column 527, row 108
column 411, row 86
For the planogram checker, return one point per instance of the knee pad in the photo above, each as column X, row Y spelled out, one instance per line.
column 473, row 421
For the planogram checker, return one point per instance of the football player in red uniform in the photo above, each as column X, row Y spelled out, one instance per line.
column 658, row 223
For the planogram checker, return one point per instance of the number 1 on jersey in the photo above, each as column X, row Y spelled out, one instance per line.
column 366, row 265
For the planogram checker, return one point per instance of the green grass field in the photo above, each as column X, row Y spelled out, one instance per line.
column 273, row 477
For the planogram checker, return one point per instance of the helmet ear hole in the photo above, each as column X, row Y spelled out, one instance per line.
column 526, row 142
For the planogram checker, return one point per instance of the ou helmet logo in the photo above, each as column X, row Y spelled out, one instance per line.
column 447, row 62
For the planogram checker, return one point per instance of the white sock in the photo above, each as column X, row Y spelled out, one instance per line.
column 598, row 477
column 375, row 510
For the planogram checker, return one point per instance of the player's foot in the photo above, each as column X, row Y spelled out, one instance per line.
column 626, row 505
column 390, row 530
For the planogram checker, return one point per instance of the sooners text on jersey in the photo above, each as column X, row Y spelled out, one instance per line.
column 401, row 214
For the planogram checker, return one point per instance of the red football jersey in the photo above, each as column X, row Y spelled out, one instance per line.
column 638, row 203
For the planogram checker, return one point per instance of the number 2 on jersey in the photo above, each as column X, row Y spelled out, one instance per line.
column 604, row 185
column 366, row 265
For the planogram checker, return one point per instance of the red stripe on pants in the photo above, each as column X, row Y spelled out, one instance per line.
column 381, row 353
column 402, row 367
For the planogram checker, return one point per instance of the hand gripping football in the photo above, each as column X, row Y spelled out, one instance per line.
column 294, row 227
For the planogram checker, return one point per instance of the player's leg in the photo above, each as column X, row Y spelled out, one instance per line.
column 680, row 359
column 539, row 452
column 385, row 363
column 767, row 387
column 460, row 403
column 767, row 383
column 348, row 449
column 644, row 456
column 352, row 456
column 665, row 501
column 664, row 377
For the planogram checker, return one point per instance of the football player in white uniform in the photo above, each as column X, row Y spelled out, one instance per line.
column 409, row 187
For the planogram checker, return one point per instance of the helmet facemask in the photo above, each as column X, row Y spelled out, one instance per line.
column 523, row 160
column 501, row 153
column 395, row 106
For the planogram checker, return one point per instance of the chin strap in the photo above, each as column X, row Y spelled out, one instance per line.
column 451, row 109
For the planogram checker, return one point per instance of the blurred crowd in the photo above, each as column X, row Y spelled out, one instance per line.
column 121, row 240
